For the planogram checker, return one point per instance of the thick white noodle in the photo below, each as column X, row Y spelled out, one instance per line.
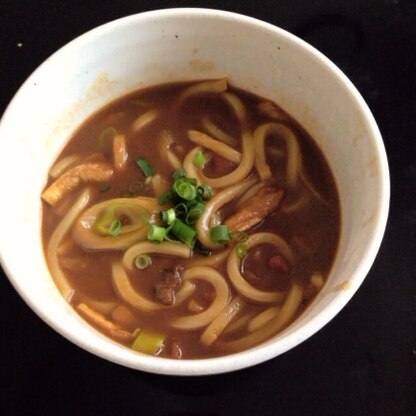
column 59, row 233
column 263, row 318
column 242, row 170
column 146, row 247
column 292, row 146
column 143, row 120
column 286, row 315
column 217, row 326
column 64, row 164
column 215, row 279
column 222, row 149
column 204, row 87
column 188, row 165
column 241, row 284
column 85, row 235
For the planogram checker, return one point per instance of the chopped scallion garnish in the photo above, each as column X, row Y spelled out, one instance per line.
column 179, row 173
column 220, row 234
column 145, row 167
column 184, row 189
column 165, row 198
column 168, row 216
column 183, row 232
column 156, row 233
column 115, row 228
column 143, row 261
column 241, row 250
column 199, row 159
column 194, row 213
column 205, row 191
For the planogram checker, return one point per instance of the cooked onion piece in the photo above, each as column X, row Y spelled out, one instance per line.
column 222, row 149
column 215, row 279
column 129, row 294
column 237, row 279
column 143, row 120
column 238, row 174
column 89, row 230
column 120, row 154
column 146, row 247
column 293, row 152
column 213, row 205
column 217, row 326
column 60, row 231
column 286, row 315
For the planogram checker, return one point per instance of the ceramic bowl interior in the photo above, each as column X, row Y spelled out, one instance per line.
column 174, row 45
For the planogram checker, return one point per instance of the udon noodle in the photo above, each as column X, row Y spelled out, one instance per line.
column 188, row 221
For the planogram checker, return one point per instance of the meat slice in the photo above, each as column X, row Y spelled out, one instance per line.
column 255, row 209
column 165, row 291
column 89, row 171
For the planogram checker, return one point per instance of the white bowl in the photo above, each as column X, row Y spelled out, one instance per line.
column 187, row 44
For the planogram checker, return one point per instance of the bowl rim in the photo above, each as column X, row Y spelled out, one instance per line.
column 268, row 350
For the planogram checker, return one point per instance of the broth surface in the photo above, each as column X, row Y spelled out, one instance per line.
column 154, row 125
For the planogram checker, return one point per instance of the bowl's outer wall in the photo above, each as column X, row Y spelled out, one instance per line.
column 174, row 45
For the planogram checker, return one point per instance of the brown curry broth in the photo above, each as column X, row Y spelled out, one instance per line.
column 313, row 234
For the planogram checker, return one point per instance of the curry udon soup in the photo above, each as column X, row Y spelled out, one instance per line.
column 190, row 220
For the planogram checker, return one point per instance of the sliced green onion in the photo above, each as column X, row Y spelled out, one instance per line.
column 145, row 167
column 156, row 233
column 149, row 343
column 168, row 216
column 205, row 191
column 199, row 159
column 241, row 250
column 148, row 180
column 239, row 236
column 143, row 261
column 220, row 234
column 135, row 188
column 192, row 181
column 115, row 228
column 179, row 173
column 194, row 213
column 165, row 198
column 185, row 189
column 105, row 187
column 199, row 248
column 181, row 210
column 183, row 232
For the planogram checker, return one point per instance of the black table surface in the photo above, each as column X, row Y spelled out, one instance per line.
column 364, row 361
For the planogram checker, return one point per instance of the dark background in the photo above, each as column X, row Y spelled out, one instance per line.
column 364, row 361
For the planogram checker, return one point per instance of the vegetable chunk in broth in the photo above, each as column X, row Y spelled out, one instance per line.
column 190, row 220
